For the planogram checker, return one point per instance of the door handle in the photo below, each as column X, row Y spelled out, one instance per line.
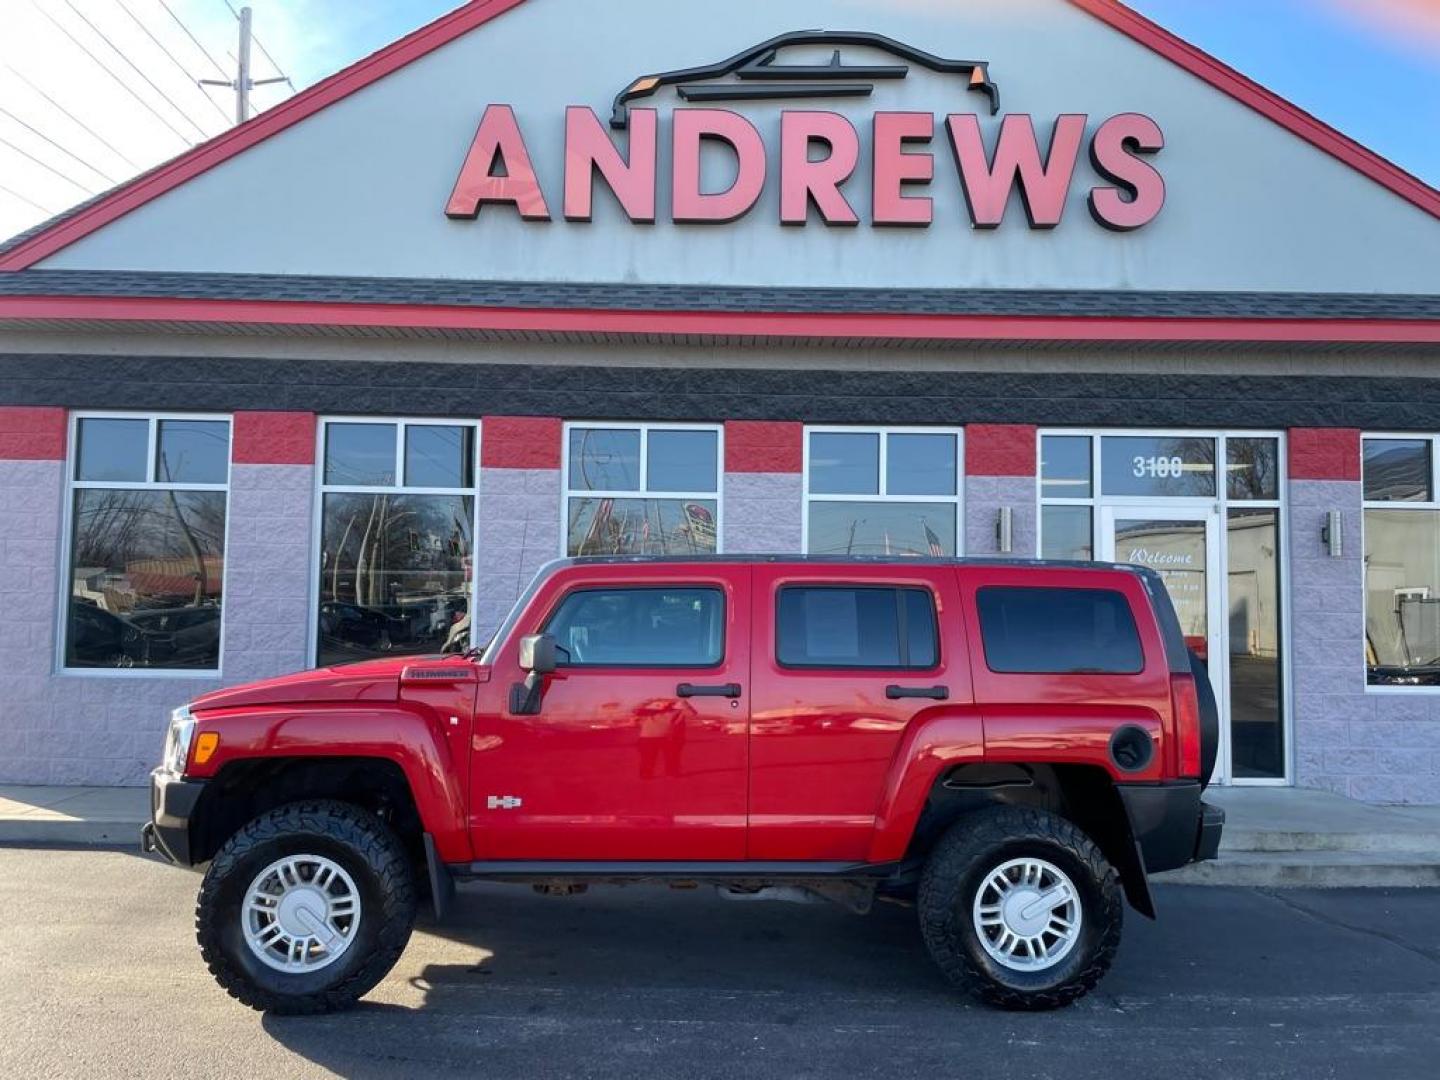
column 935, row 693
column 729, row 689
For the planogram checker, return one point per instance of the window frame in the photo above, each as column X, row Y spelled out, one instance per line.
column 869, row 586
column 320, row 489
column 643, row 428
column 717, row 589
column 67, row 525
column 1125, row 601
column 956, row 500
column 1366, row 505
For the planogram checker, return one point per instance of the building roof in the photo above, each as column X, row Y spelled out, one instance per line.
column 31, row 295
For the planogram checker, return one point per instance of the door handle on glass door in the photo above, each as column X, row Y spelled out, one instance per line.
column 935, row 693
column 729, row 689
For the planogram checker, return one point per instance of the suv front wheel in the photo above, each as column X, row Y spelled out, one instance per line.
column 1019, row 907
column 306, row 908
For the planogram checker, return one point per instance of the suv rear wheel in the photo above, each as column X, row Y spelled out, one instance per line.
column 306, row 908
column 1018, row 907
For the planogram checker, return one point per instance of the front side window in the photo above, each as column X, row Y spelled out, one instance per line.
column 148, row 502
column 1402, row 562
column 642, row 489
column 882, row 492
column 397, row 527
column 1058, row 631
column 840, row 626
column 640, row 627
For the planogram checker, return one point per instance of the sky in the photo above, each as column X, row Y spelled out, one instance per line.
column 124, row 71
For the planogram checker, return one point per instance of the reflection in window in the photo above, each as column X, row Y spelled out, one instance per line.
column 1067, row 532
column 1157, row 466
column 856, row 627
column 649, row 627
column 1252, row 468
column 147, row 544
column 1065, row 467
column 642, row 490
column 1397, row 470
column 882, row 492
column 1402, row 597
column 1257, row 723
column 395, row 564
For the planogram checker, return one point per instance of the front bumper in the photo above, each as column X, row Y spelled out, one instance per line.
column 1171, row 824
column 172, row 805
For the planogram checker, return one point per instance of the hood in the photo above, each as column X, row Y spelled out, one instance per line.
column 367, row 680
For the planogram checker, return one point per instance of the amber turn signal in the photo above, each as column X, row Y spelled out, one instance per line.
column 205, row 747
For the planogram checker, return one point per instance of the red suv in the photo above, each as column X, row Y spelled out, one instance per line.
column 1009, row 747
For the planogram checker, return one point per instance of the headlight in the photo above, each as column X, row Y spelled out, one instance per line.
column 177, row 740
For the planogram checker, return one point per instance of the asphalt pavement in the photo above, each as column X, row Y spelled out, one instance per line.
column 100, row 977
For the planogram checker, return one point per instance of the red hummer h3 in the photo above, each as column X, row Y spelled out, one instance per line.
column 1009, row 747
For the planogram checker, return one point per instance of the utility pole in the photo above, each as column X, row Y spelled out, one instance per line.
column 243, row 84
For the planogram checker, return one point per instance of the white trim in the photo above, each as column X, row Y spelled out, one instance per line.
column 1220, row 504
column 957, row 500
column 1366, row 505
column 67, row 539
column 643, row 428
column 320, row 489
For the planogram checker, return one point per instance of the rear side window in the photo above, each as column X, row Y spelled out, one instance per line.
column 839, row 626
column 1061, row 631
column 640, row 627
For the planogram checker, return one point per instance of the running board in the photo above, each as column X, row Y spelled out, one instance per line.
column 535, row 870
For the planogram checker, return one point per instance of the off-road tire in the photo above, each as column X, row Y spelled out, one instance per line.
column 373, row 856
column 957, row 867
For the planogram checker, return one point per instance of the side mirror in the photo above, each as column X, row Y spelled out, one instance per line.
column 538, row 654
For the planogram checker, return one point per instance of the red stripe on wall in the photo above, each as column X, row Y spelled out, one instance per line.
column 763, row 446
column 1000, row 450
column 273, row 438
column 32, row 433
column 1324, row 454
column 520, row 442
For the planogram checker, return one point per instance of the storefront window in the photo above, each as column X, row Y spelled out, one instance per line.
column 1067, row 533
column 1402, row 563
column 1065, row 467
column 1252, row 468
column 1157, row 466
column 397, row 527
column 642, row 489
column 1253, row 598
column 882, row 491
column 148, row 503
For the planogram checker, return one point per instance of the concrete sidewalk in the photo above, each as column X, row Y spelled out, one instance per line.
column 1273, row 836
column 72, row 815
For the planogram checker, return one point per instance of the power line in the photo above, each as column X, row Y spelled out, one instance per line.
column 181, row 23
column 105, row 68
column 135, row 68
column 73, row 118
column 28, row 201
column 72, row 156
column 48, row 168
column 263, row 51
column 160, row 45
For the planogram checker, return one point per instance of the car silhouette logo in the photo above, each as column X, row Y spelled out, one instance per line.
column 757, row 76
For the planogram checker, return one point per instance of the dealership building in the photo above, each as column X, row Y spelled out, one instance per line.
column 550, row 277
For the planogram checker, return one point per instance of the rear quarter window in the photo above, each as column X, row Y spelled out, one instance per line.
column 1058, row 631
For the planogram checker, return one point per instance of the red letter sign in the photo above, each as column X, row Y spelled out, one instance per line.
column 588, row 148
column 803, row 180
column 894, row 168
column 691, row 128
column 1139, row 192
column 1043, row 187
column 498, row 141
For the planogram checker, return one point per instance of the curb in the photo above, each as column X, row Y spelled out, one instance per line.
column 21, row 831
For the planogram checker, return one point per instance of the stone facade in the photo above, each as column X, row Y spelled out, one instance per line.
column 984, row 497
column 763, row 512
column 1374, row 745
column 519, row 533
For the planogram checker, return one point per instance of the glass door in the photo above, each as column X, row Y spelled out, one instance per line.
column 1182, row 545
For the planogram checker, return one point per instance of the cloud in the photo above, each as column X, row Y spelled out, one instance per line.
column 1411, row 24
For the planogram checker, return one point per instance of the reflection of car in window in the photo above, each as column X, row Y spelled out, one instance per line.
column 349, row 624
column 189, row 635
column 756, row 74
column 99, row 638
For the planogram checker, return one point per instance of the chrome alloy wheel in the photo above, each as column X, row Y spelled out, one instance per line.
column 300, row 913
column 1027, row 914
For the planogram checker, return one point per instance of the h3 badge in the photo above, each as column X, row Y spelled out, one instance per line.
column 502, row 802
